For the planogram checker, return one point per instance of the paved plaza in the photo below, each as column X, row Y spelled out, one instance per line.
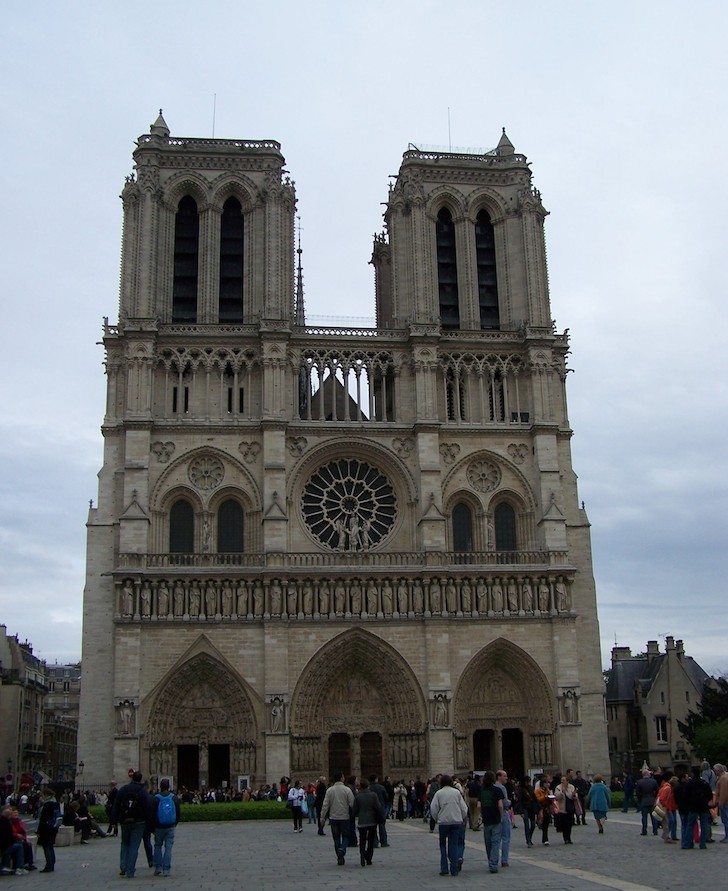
column 268, row 855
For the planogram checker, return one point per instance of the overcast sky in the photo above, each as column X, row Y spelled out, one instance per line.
column 621, row 110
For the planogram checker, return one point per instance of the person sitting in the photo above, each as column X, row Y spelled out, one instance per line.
column 11, row 851
column 20, row 834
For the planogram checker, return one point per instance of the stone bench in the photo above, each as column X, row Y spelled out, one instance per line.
column 67, row 836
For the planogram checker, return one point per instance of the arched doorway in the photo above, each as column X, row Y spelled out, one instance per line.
column 358, row 709
column 503, row 712
column 202, row 728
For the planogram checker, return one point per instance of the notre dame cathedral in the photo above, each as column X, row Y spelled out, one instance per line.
column 335, row 548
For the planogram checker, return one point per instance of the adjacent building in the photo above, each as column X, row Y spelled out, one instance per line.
column 335, row 548
column 60, row 722
column 647, row 695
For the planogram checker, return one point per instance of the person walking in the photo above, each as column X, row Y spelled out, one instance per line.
column 699, row 796
column 646, row 793
column 600, row 800
column 501, row 779
column 529, row 808
column 491, row 814
column 338, row 805
column 296, row 794
column 544, row 797
column 166, row 818
column 319, row 802
column 450, row 813
column 666, row 800
column 369, row 813
column 721, row 792
column 566, row 797
column 133, row 812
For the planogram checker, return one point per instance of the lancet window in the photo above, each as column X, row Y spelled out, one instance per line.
column 447, row 272
column 487, row 278
column 230, row 527
column 186, row 261
column 181, row 528
column 231, row 262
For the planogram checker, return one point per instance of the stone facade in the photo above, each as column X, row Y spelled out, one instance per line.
column 335, row 548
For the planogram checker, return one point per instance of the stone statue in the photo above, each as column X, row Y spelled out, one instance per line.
column 163, row 601
column 435, row 597
column 355, row 593
column 512, row 598
column 440, row 710
column 127, row 600
column 402, row 598
column 206, row 536
column 339, row 599
column 242, row 607
column 276, row 715
column 210, row 601
column 418, row 598
column 275, row 599
column 194, row 600
column 527, row 597
column 482, row 595
column 179, row 600
column 387, row 598
column 227, row 599
column 497, row 598
column 372, row 599
column 146, row 597
column 562, row 596
column 258, row 599
column 569, row 703
column 126, row 718
column 466, row 597
column 543, row 596
column 291, row 600
column 324, row 599
column 307, row 599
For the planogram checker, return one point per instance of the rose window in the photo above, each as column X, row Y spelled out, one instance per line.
column 348, row 505
column 206, row 473
column 484, row 475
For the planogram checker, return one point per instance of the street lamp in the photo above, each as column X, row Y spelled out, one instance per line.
column 81, row 766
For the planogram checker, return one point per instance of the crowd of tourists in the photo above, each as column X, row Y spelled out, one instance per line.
column 357, row 810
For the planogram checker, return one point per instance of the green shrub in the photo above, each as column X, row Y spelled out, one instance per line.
column 219, row 811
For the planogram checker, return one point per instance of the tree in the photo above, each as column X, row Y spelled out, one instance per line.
column 707, row 728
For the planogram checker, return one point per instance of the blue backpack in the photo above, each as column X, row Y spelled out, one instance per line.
column 166, row 811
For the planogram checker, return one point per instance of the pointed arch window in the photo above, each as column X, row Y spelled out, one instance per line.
column 231, row 262
column 230, row 520
column 186, row 261
column 181, row 528
column 447, row 272
column 504, row 518
column 462, row 528
column 487, row 278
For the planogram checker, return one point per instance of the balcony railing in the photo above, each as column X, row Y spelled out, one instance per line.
column 391, row 560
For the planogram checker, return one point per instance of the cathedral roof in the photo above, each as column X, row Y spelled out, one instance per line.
column 159, row 127
column 505, row 146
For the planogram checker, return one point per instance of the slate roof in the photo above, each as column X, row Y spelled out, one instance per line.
column 625, row 672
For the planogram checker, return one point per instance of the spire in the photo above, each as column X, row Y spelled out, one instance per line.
column 159, row 127
column 505, row 146
column 300, row 308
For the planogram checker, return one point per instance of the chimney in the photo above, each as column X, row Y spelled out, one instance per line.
column 619, row 653
column 653, row 648
column 680, row 649
column 669, row 643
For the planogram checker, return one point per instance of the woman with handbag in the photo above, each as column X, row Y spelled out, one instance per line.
column 665, row 807
column 565, row 796
column 543, row 799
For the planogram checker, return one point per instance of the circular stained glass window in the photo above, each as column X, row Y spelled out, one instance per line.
column 348, row 505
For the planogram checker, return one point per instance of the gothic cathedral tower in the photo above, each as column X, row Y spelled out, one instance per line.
column 321, row 549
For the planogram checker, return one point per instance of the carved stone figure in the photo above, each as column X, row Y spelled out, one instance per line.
column 210, row 601
column 307, row 599
column 569, row 706
column 512, row 598
column 543, row 596
column 194, row 600
column 387, row 598
column 562, row 596
column 258, row 599
column 163, row 601
column 291, row 600
column 435, row 597
column 451, row 597
column 242, row 605
column 227, row 599
column 275, row 599
column 497, row 598
column 324, row 598
column 466, row 597
column 179, row 600
column 372, row 598
column 527, row 597
column 146, row 598
column 206, row 536
column 482, row 595
column 276, row 715
column 402, row 597
column 125, row 718
column 355, row 593
column 440, row 710
column 339, row 599
column 127, row 601
column 418, row 598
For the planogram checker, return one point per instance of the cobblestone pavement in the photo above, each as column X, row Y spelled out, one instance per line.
column 268, row 855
